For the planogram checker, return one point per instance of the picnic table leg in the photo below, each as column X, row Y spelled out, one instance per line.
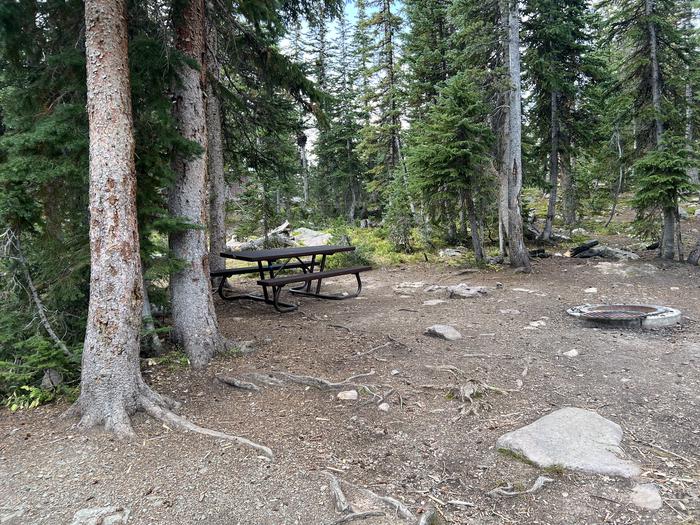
column 318, row 284
column 261, row 269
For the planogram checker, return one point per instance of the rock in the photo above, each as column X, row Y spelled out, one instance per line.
column 434, row 288
column 394, row 372
column 608, row 253
column 572, row 438
column 52, row 378
column 309, row 237
column 571, row 353
column 452, row 252
column 579, row 231
column 697, row 212
column 591, row 290
column 433, row 302
column 408, row 287
column 463, row 291
column 384, row 407
column 537, row 324
column 101, row 516
column 646, row 496
column 495, row 260
column 510, row 311
column 682, row 213
column 443, row 331
column 348, row 395
column 9, row 516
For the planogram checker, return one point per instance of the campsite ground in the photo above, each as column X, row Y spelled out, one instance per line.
column 422, row 450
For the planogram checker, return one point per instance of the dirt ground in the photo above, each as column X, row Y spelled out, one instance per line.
column 422, row 451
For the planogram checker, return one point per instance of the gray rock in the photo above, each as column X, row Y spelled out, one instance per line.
column 348, row 395
column 572, row 438
column 309, row 237
column 646, row 496
column 433, row 302
column 451, row 252
column 464, row 291
column 608, row 253
column 697, row 212
column 101, row 516
column 682, row 212
column 9, row 516
column 384, row 407
column 408, row 287
column 571, row 353
column 443, row 331
column 434, row 288
column 510, row 311
column 52, row 378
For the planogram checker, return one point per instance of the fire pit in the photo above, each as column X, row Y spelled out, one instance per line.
column 626, row 315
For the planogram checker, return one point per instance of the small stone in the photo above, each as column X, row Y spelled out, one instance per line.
column 510, row 311
column 537, row 324
column 348, row 395
column 646, row 496
column 591, row 290
column 443, row 331
column 433, row 302
column 463, row 291
column 384, row 407
column 394, row 372
column 499, row 286
column 571, row 353
column 434, row 288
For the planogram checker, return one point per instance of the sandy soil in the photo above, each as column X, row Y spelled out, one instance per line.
column 422, row 451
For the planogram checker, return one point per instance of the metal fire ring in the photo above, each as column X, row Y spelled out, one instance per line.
column 627, row 315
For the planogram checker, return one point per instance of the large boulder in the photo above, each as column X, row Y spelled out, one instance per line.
column 309, row 237
column 572, row 438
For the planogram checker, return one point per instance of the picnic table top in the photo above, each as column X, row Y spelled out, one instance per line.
column 285, row 253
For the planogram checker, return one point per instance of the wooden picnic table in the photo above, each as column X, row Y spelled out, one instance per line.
column 271, row 262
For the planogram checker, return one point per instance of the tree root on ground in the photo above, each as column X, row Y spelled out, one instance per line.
column 429, row 517
column 341, row 501
column 508, row 491
column 238, row 383
column 253, row 380
column 118, row 421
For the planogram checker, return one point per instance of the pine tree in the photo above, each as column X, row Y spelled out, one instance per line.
column 556, row 59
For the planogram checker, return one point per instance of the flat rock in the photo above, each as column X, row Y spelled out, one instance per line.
column 101, row 516
column 646, row 496
column 434, row 288
column 408, row 287
column 464, row 291
column 433, row 302
column 571, row 353
column 572, row 438
column 384, row 407
column 510, row 311
column 309, row 237
column 443, row 331
column 348, row 395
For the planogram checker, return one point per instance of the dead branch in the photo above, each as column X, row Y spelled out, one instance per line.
column 176, row 421
column 358, row 516
column 323, row 384
column 399, row 508
column 13, row 249
column 509, row 492
column 238, row 383
column 366, row 352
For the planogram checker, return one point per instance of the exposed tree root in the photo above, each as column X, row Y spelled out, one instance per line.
column 358, row 516
column 118, row 419
column 395, row 505
column 323, row 384
column 238, row 383
column 509, row 492
column 429, row 517
column 167, row 416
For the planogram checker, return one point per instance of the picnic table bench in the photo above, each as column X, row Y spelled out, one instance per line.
column 271, row 262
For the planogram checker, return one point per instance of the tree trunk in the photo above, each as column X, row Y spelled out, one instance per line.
column 553, row 166
column 568, row 189
column 694, row 255
column 689, row 110
column 668, row 234
column 215, row 157
column 621, row 176
column 655, row 77
column 152, row 342
column 195, row 327
column 513, row 167
column 111, row 382
column 474, row 226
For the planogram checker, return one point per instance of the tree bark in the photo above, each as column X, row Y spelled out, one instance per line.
column 474, row 225
column 553, row 166
column 111, row 382
column 668, row 234
column 195, row 327
column 693, row 174
column 215, row 157
column 152, row 343
column 513, row 152
column 694, row 255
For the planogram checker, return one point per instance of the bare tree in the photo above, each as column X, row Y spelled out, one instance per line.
column 194, row 324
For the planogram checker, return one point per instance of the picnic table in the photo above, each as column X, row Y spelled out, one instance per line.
column 270, row 263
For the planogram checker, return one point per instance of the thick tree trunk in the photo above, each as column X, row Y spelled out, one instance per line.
column 215, row 157
column 516, row 246
column 195, row 327
column 111, row 383
column 668, row 234
column 553, row 166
